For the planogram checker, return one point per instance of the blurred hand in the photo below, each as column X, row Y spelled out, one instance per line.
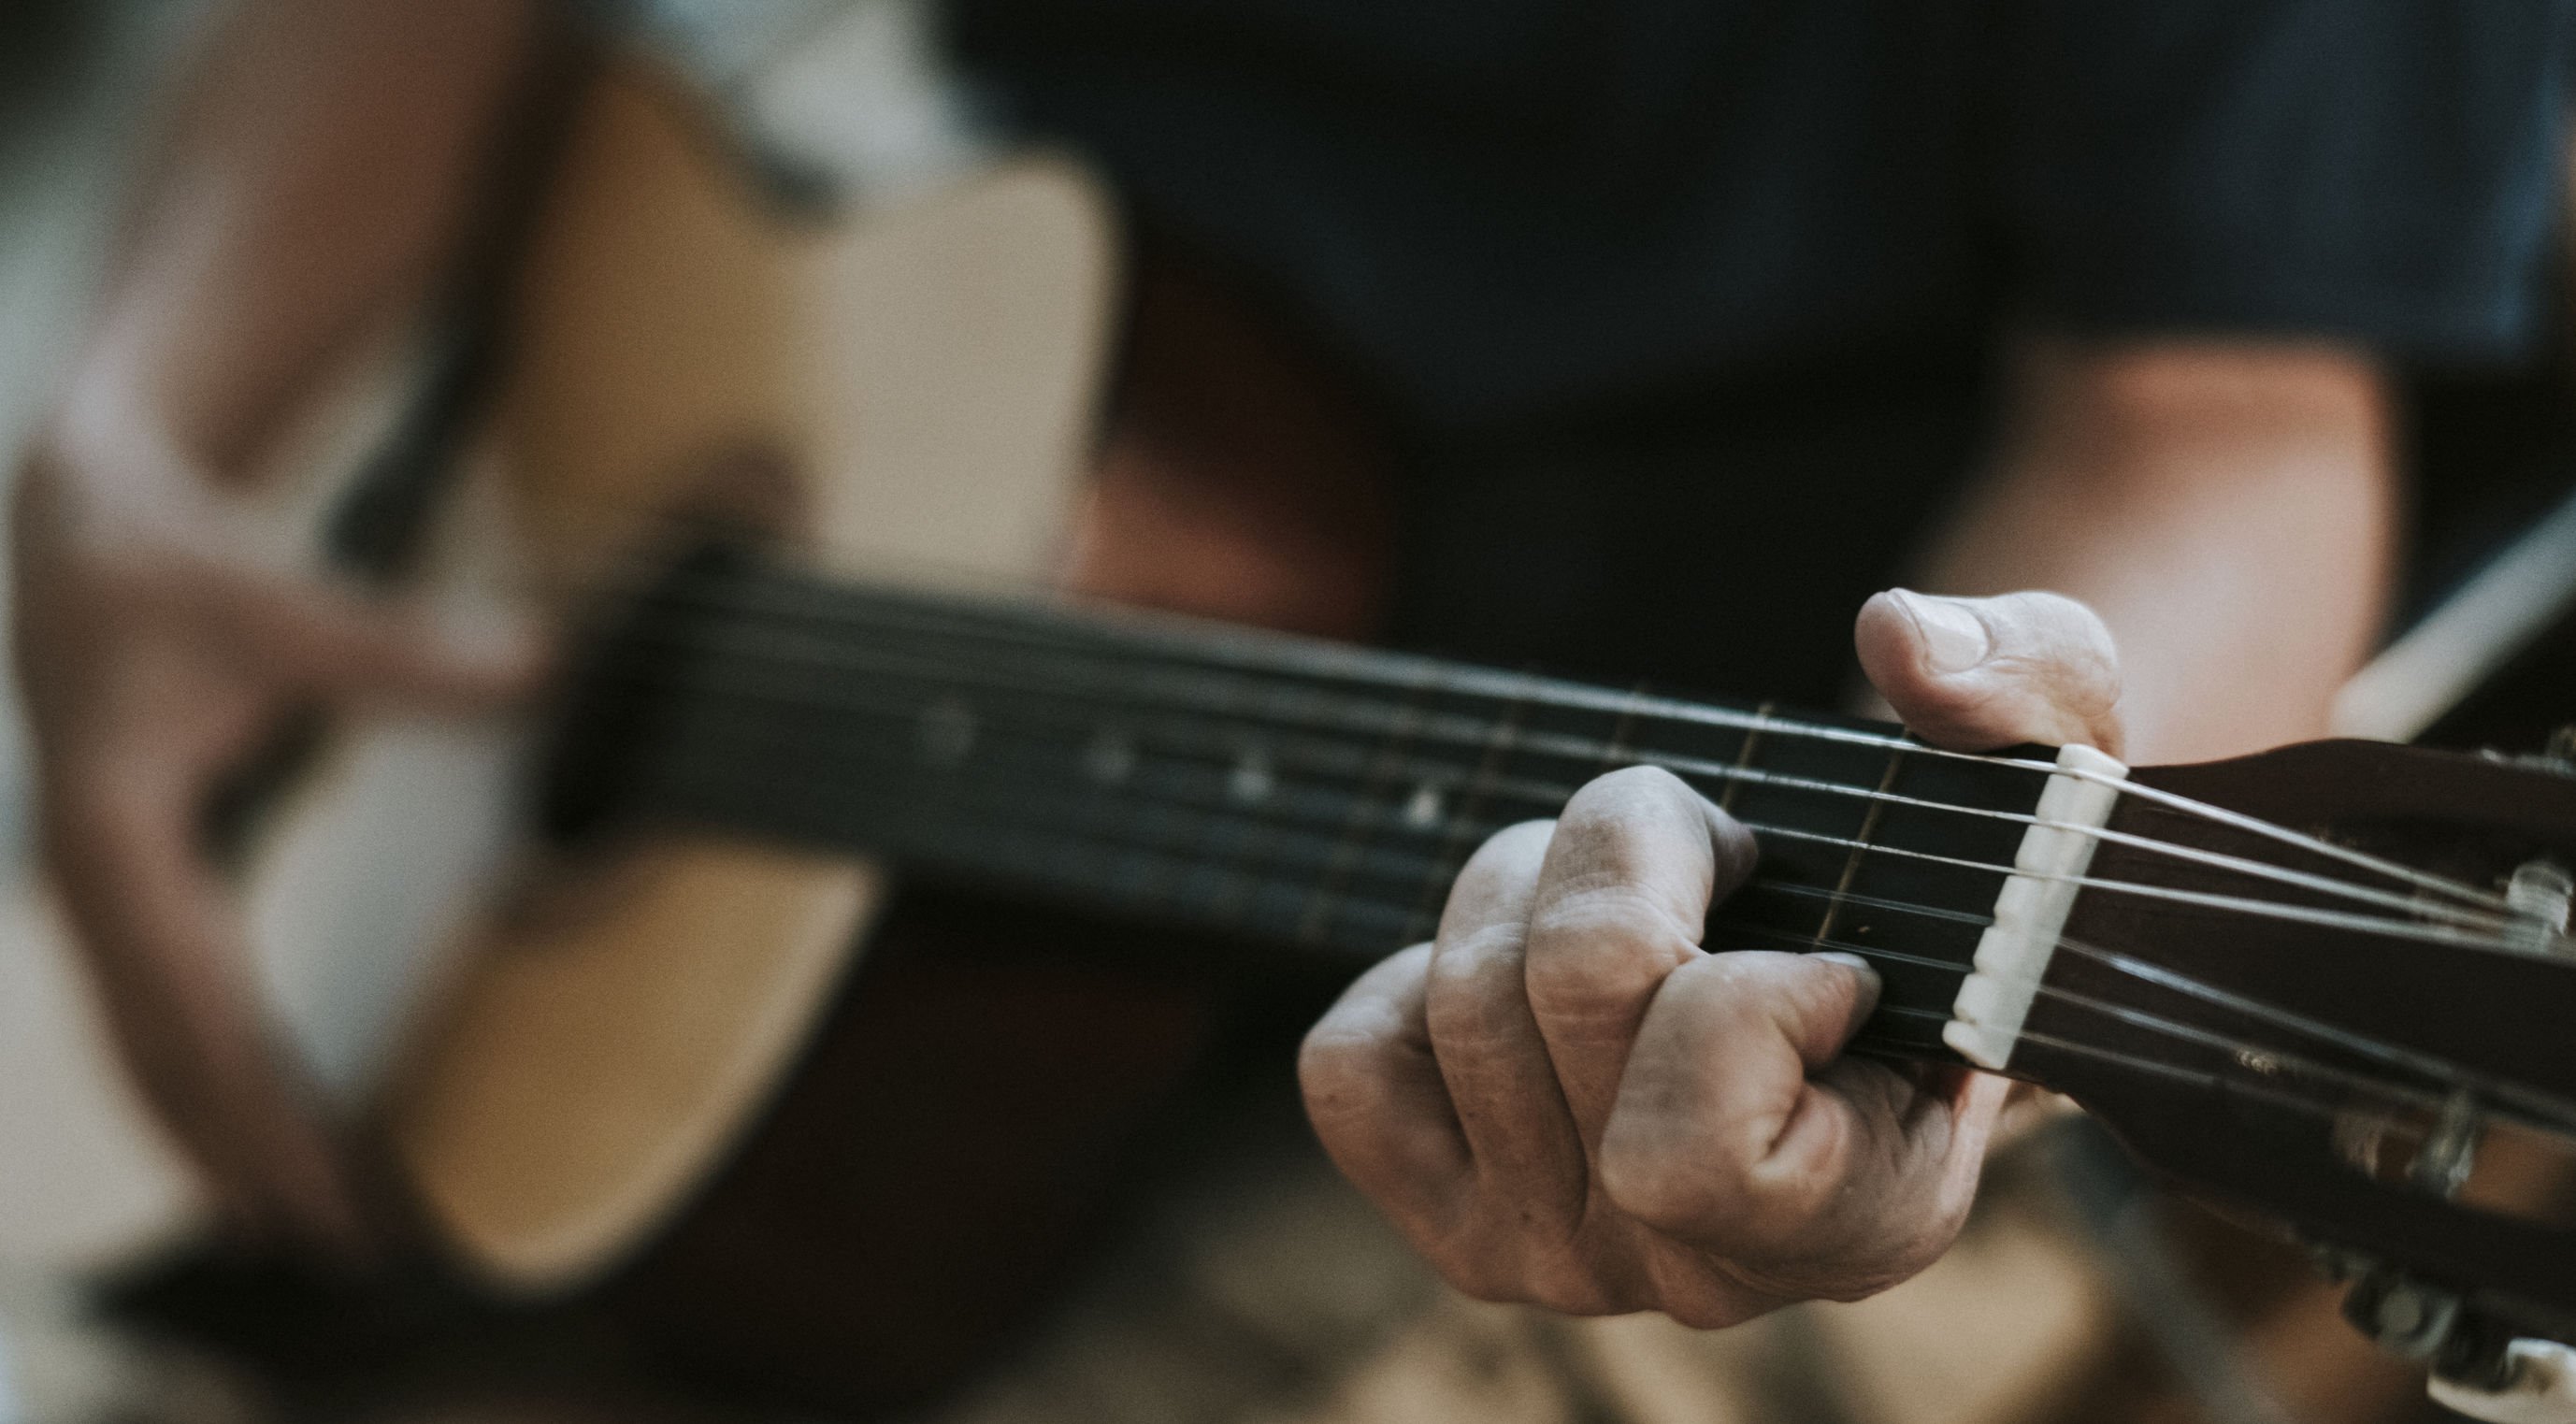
column 153, row 659
column 1564, row 1099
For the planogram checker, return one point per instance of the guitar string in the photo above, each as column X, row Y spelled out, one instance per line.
column 1441, row 866
column 1063, row 648
column 1555, row 794
column 1464, row 730
column 2539, row 1106
column 2540, row 1109
column 2488, row 1086
column 1144, row 635
column 1550, row 795
column 984, row 672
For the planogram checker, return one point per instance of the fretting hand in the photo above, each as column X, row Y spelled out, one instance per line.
column 1566, row 1099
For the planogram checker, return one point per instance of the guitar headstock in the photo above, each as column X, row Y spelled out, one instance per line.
column 2334, row 984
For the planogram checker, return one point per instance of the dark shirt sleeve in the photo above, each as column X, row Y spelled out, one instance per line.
column 2381, row 171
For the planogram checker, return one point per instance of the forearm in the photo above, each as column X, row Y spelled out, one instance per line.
column 2227, row 509
column 318, row 165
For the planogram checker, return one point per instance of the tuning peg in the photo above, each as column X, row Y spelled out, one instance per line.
column 2424, row 1324
column 2541, row 891
column 2538, row 1387
column 2474, row 1367
column 2557, row 755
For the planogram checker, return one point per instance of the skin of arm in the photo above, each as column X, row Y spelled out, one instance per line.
column 2228, row 508
column 317, row 167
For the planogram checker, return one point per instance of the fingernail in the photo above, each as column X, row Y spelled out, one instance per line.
column 1840, row 957
column 1866, row 1001
column 1954, row 639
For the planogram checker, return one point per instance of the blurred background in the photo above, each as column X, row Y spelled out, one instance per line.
column 86, row 1181
column 2086, row 1295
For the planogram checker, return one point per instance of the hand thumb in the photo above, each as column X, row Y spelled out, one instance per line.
column 1977, row 673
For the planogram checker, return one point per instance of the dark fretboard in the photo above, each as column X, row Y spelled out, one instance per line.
column 1280, row 789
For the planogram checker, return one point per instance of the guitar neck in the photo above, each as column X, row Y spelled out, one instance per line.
column 2230, row 992
column 1279, row 790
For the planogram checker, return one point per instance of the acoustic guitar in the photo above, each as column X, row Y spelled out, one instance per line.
column 626, row 1046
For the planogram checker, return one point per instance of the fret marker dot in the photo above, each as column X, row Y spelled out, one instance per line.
column 1422, row 812
column 947, row 732
column 1109, row 759
column 1251, row 778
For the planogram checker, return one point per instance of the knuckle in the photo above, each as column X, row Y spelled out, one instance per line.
column 1474, row 976
column 1656, row 1186
column 1609, row 910
column 1617, row 808
column 1624, row 936
column 1468, row 956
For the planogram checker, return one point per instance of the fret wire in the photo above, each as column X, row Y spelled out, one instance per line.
column 1871, row 902
column 1227, row 824
column 2555, row 1113
column 1139, row 636
column 2424, row 1063
column 1467, row 731
column 1614, row 750
column 1860, row 847
column 1151, row 760
column 1807, row 944
column 1435, row 885
column 1012, row 805
column 1180, row 637
column 1256, row 766
column 717, row 777
column 1357, row 834
column 1554, row 794
column 1744, row 758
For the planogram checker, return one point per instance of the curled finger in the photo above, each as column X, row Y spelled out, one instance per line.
column 1487, row 1041
column 1739, row 1131
column 1374, row 1094
column 1622, row 901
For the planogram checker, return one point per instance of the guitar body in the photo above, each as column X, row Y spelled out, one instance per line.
column 926, row 383
column 579, row 1043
